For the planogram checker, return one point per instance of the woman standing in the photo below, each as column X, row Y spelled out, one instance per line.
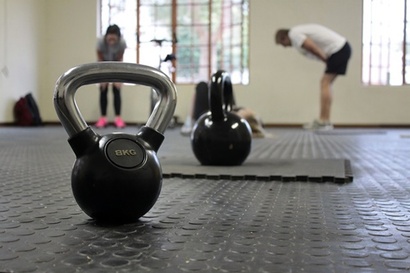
column 111, row 47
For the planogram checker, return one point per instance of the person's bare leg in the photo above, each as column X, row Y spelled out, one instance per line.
column 326, row 96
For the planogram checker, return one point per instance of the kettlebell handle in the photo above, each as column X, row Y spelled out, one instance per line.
column 68, row 83
column 220, row 95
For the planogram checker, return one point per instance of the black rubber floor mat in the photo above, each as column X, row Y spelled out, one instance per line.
column 319, row 170
column 212, row 226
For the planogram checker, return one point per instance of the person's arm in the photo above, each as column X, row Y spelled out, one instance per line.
column 123, row 46
column 100, row 56
column 120, row 56
column 310, row 46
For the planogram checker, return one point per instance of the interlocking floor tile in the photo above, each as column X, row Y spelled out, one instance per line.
column 214, row 225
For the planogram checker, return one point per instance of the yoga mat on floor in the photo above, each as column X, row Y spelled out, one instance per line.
column 319, row 170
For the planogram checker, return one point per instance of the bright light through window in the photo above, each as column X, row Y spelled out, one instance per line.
column 386, row 59
column 187, row 39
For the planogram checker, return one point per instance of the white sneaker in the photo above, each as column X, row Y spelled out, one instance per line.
column 317, row 125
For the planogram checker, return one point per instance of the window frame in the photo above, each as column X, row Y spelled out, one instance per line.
column 384, row 48
column 231, row 57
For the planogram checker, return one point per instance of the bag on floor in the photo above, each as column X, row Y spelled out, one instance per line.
column 32, row 104
column 26, row 112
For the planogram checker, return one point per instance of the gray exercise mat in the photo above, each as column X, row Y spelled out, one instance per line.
column 339, row 132
column 320, row 170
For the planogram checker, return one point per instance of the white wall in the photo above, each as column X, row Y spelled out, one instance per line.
column 286, row 84
column 44, row 38
column 71, row 32
column 21, row 51
column 72, row 42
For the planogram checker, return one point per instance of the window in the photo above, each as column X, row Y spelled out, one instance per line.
column 187, row 39
column 386, row 51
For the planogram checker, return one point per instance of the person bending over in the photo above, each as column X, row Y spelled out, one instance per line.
column 111, row 47
column 323, row 44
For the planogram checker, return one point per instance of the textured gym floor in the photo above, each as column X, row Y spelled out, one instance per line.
column 214, row 225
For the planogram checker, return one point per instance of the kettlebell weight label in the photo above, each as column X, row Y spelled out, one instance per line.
column 129, row 152
column 125, row 153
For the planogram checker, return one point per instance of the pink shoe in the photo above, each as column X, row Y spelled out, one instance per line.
column 119, row 123
column 101, row 123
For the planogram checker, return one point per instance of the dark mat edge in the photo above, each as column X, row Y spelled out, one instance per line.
column 268, row 178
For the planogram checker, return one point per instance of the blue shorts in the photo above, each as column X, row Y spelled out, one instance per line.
column 337, row 62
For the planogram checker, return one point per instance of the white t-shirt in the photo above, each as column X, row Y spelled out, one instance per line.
column 326, row 39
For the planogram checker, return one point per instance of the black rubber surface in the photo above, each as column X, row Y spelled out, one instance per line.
column 265, row 163
column 221, row 225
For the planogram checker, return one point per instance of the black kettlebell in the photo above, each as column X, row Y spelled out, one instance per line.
column 220, row 137
column 116, row 177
